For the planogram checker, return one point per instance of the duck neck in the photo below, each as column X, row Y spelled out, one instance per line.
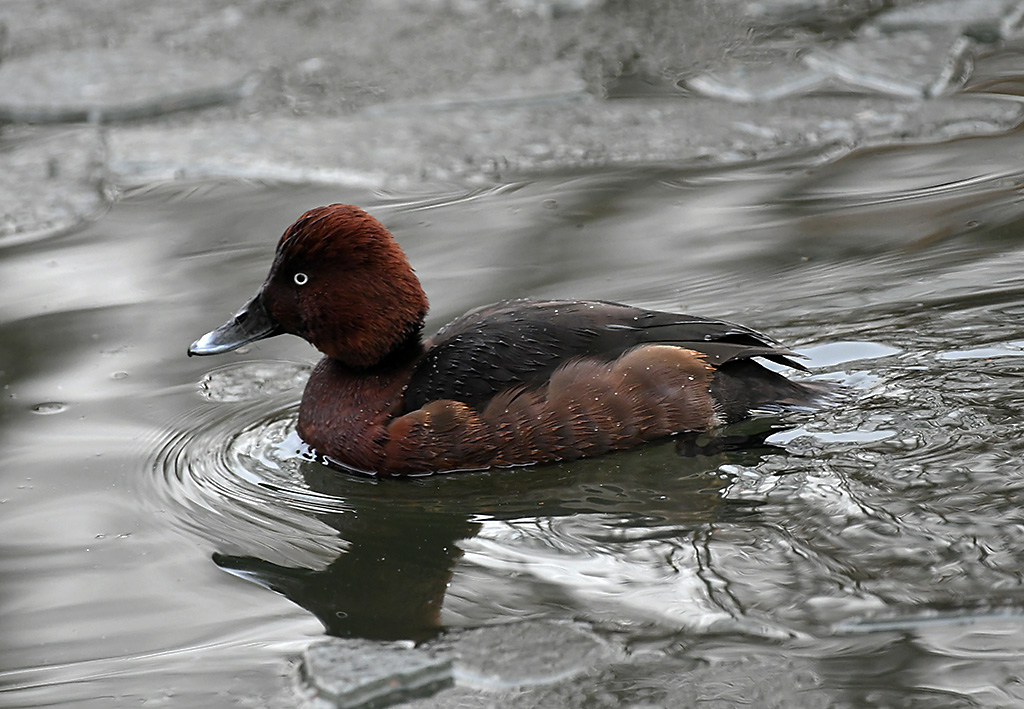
column 345, row 409
column 400, row 357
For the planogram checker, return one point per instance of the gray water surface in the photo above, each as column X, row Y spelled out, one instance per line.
column 149, row 500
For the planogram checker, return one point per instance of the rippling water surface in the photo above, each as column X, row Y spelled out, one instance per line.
column 165, row 535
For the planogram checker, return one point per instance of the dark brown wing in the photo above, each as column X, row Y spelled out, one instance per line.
column 522, row 342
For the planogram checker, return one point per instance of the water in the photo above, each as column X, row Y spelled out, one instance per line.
column 148, row 500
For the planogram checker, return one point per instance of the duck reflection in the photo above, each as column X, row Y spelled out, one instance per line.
column 403, row 534
column 390, row 583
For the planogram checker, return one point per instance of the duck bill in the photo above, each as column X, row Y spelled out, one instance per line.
column 251, row 323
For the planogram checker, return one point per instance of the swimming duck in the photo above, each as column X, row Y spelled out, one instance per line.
column 514, row 383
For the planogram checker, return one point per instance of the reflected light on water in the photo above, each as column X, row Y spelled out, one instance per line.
column 167, row 514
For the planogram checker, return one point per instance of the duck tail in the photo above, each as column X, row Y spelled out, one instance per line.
column 741, row 387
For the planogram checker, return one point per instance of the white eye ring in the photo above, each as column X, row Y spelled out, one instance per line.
column 300, row 279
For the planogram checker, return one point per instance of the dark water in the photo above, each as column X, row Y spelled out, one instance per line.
column 143, row 492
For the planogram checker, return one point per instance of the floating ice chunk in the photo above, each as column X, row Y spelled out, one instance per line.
column 359, row 673
column 981, row 19
column 917, row 64
column 528, row 654
column 114, row 85
column 746, row 83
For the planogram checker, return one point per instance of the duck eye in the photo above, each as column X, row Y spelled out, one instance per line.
column 300, row 279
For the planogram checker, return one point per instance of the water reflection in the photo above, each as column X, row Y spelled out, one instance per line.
column 400, row 540
column 388, row 584
column 899, row 272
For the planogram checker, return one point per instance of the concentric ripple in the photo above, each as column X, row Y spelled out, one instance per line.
column 233, row 470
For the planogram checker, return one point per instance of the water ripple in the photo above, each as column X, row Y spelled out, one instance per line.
column 233, row 472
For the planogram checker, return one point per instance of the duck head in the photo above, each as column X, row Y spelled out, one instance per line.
column 340, row 281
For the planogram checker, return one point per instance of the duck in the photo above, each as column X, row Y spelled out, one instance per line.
column 519, row 382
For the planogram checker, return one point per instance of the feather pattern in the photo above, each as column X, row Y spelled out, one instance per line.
column 522, row 343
